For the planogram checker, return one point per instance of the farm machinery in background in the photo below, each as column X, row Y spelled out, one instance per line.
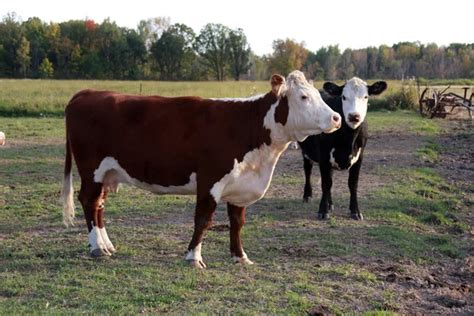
column 439, row 103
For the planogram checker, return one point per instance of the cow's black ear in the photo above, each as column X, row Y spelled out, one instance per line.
column 377, row 88
column 333, row 89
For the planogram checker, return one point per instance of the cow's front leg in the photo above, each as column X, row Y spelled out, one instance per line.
column 308, row 190
column 92, row 197
column 326, row 184
column 353, row 184
column 205, row 207
column 237, row 221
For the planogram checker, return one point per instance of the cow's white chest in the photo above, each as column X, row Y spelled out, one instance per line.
column 248, row 180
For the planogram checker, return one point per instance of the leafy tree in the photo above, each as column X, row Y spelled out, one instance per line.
column 35, row 32
column 46, row 69
column 328, row 58
column 135, row 54
column 10, row 38
column 287, row 56
column 211, row 45
column 312, row 67
column 150, row 30
column 23, row 56
column 258, row 68
column 173, row 52
column 238, row 53
column 75, row 63
column 346, row 66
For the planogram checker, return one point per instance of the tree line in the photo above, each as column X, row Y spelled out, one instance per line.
column 157, row 49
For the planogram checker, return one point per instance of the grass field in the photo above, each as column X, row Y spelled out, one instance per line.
column 408, row 256
column 49, row 97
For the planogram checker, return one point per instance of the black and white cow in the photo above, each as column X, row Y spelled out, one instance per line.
column 344, row 148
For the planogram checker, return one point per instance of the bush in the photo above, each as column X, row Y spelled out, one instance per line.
column 46, row 69
column 401, row 99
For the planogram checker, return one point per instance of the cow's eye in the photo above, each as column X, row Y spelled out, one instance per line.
column 366, row 97
column 344, row 97
column 304, row 97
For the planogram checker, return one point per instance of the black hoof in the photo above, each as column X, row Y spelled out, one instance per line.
column 357, row 216
column 306, row 199
column 323, row 216
column 99, row 253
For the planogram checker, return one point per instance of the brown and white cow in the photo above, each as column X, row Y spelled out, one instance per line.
column 222, row 150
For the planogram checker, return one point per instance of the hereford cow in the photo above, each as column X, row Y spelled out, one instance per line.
column 222, row 150
column 344, row 148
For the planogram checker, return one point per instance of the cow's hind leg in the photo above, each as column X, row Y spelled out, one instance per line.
column 237, row 221
column 92, row 198
column 205, row 207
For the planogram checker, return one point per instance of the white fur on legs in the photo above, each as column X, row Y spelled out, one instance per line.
column 97, row 244
column 242, row 260
column 194, row 257
column 105, row 238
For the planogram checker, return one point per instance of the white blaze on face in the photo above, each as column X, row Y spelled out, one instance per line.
column 355, row 96
column 308, row 113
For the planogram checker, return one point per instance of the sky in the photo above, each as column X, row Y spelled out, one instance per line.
column 350, row 24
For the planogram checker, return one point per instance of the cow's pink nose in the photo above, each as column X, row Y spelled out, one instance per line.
column 336, row 119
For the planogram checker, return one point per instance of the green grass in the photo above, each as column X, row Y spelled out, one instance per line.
column 40, row 98
column 430, row 151
column 300, row 263
column 417, row 197
column 401, row 121
column 49, row 97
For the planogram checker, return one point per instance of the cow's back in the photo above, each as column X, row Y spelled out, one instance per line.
column 146, row 135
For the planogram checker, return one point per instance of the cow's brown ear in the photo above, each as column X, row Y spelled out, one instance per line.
column 277, row 82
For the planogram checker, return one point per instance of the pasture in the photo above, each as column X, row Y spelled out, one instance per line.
column 412, row 254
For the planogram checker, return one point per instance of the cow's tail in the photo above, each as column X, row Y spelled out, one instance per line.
column 67, row 195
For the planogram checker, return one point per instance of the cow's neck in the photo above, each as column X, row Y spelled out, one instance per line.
column 274, row 121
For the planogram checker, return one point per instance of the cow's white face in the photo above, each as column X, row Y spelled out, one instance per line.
column 308, row 114
column 355, row 96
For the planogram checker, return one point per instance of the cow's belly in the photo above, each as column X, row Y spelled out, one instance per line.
column 110, row 174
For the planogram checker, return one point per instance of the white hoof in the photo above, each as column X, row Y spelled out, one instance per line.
column 199, row 264
column 244, row 260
